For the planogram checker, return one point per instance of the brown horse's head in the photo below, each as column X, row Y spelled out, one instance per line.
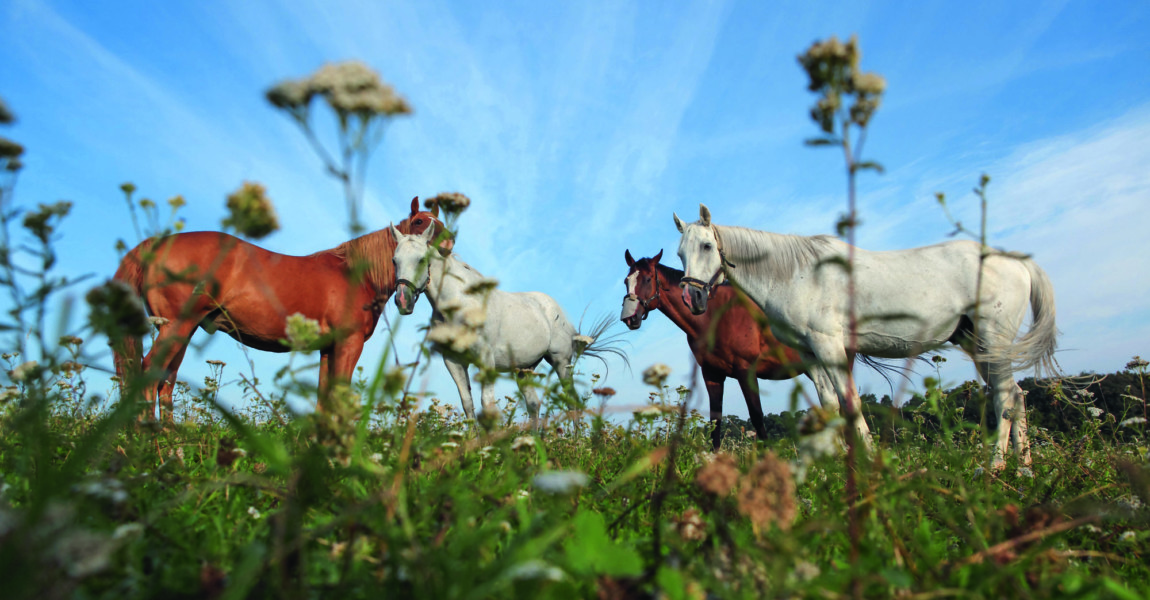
column 642, row 289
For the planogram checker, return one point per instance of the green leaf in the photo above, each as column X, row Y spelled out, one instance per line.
column 591, row 551
column 869, row 165
column 823, row 141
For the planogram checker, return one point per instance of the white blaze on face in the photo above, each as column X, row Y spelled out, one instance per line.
column 631, row 301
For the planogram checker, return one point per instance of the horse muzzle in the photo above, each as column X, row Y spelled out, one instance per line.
column 632, row 315
column 695, row 297
column 405, row 298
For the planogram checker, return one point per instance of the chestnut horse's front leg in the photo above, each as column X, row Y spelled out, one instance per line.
column 714, row 380
column 345, row 354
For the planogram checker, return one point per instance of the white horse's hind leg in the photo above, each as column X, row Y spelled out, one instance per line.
column 1018, row 433
column 526, row 383
column 458, row 372
column 1006, row 410
column 831, row 384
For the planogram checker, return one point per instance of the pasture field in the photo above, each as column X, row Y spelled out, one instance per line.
column 408, row 503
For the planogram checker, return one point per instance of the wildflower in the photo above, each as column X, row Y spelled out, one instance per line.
column 449, row 445
column 116, row 311
column 250, row 211
column 158, row 322
column 505, row 527
column 9, row 149
column 718, row 476
column 523, row 442
column 1127, row 536
column 25, row 371
column 259, row 468
column 9, row 393
column 455, row 435
column 656, row 374
column 806, row 571
column 482, row 286
column 69, row 340
column 1132, row 421
column 451, row 203
column 127, row 531
column 302, row 333
column 648, row 413
column 290, row 94
column 176, row 202
column 522, row 494
column 253, row 512
column 455, row 337
column 352, row 87
column 1025, row 472
column 535, row 568
column 604, row 392
column 1094, row 411
column 147, row 203
column 767, row 494
column 474, row 317
column 216, row 363
column 581, row 342
column 691, row 526
column 559, row 482
column 1136, row 363
column 6, row 116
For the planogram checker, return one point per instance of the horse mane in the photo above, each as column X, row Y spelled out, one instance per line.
column 374, row 249
column 771, row 256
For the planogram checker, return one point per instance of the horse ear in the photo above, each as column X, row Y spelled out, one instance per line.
column 630, row 261
column 394, row 232
column 657, row 256
column 428, row 234
column 704, row 215
column 678, row 223
column 415, row 205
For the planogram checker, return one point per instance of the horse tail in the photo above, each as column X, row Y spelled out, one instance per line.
column 1035, row 349
column 601, row 342
column 128, row 355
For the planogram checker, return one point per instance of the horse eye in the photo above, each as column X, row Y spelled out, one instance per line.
column 707, row 247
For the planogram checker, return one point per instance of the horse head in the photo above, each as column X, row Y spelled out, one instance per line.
column 704, row 264
column 412, row 267
column 418, row 221
column 642, row 284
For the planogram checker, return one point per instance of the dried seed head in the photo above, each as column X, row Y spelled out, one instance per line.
column 718, row 476
column 767, row 494
column 451, row 203
column 250, row 211
column 656, row 374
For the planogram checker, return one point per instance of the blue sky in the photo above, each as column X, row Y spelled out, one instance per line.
column 577, row 128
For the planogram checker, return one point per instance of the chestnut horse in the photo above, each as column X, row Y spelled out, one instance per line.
column 219, row 282
column 727, row 340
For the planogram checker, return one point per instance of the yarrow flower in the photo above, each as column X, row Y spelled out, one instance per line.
column 24, row 371
column 1137, row 363
column 302, row 333
column 1132, row 421
column 767, row 494
column 1094, row 411
column 719, row 476
column 255, row 513
column 453, row 336
column 656, row 374
column 250, row 211
column 451, row 203
column 523, row 442
column 559, row 482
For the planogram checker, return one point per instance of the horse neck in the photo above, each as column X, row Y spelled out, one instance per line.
column 376, row 249
column 449, row 278
column 671, row 301
column 767, row 263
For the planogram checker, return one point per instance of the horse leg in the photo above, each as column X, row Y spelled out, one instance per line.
column 1018, row 432
column 324, row 377
column 829, row 375
column 530, row 396
column 342, row 362
column 749, row 384
column 167, row 386
column 714, row 381
column 164, row 357
column 458, row 372
column 1006, row 409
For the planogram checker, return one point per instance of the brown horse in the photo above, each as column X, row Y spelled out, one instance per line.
column 219, row 282
column 726, row 340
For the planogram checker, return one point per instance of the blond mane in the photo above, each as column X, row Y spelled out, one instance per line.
column 374, row 249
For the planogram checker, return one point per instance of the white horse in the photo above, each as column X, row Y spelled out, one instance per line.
column 906, row 302
column 507, row 331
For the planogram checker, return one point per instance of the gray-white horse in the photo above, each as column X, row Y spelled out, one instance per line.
column 476, row 323
column 906, row 302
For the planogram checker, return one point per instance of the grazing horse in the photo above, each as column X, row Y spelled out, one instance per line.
column 727, row 340
column 507, row 331
column 906, row 302
column 219, row 282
